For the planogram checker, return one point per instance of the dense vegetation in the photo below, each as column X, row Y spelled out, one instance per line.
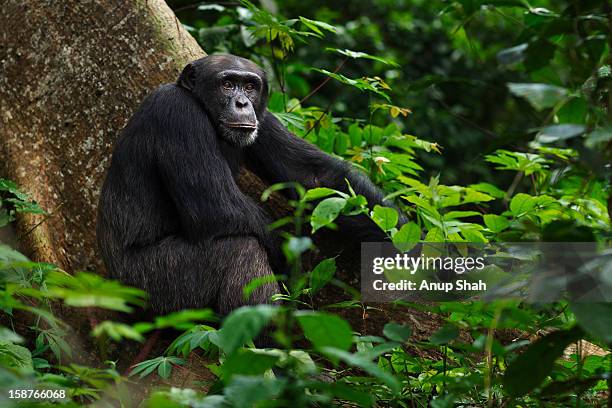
column 485, row 121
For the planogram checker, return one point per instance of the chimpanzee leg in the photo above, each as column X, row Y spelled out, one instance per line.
column 178, row 274
column 246, row 260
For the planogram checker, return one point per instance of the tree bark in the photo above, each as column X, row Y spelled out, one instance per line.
column 72, row 72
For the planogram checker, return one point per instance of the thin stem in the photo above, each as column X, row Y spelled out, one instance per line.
column 578, row 370
column 513, row 186
column 488, row 378
column 320, row 118
column 610, row 384
column 533, row 181
column 444, row 367
column 371, row 114
column 318, row 87
column 467, row 121
column 275, row 69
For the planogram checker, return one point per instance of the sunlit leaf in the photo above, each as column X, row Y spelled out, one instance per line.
column 540, row 96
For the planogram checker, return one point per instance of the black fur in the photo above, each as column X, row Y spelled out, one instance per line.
column 172, row 219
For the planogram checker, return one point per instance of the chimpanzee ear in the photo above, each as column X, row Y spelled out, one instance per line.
column 187, row 77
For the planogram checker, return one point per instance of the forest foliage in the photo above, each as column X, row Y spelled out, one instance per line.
column 484, row 121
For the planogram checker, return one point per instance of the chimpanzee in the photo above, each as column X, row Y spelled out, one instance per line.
column 172, row 219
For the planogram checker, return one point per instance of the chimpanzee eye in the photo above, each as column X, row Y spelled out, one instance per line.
column 249, row 87
column 227, row 85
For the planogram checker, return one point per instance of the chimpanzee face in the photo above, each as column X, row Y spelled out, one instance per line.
column 234, row 93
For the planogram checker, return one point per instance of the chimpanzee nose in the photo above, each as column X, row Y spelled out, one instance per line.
column 241, row 102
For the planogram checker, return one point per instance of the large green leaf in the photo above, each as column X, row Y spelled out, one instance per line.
column 406, row 238
column 326, row 212
column 397, row 332
column 359, row 54
column 243, row 325
column 247, row 362
column 248, row 391
column 595, row 319
column 385, row 217
column 555, row 133
column 322, row 274
column 496, row 223
column 15, row 356
column 435, row 235
column 325, row 330
column 318, row 193
column 522, row 204
column 90, row 290
column 540, row 96
column 444, row 335
column 529, row 369
column 364, row 363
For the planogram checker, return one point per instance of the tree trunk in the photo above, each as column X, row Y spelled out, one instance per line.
column 72, row 72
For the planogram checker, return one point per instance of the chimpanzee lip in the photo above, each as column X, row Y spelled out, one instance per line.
column 241, row 125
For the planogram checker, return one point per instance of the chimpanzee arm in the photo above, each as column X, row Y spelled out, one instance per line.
column 196, row 174
column 280, row 156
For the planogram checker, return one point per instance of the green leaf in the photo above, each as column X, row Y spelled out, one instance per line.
column 406, row 238
column 162, row 364
column 243, row 325
column 296, row 246
column 574, row 111
column 598, row 137
column 164, row 369
column 355, row 134
column 255, row 283
column 10, row 336
column 276, row 102
column 397, row 332
column 341, row 143
column 290, row 119
column 317, row 26
column 496, row 223
column 249, row 391
column 364, row 363
column 595, row 319
column 116, row 331
column 444, row 335
column 91, row 290
column 551, row 134
column 522, row 204
column 318, row 193
column 325, row 330
column 346, row 392
column 540, row 96
column 489, row 189
column 326, row 212
column 518, row 161
column 435, row 235
column 322, row 274
column 15, row 356
column 363, row 84
column 512, row 55
column 530, row 368
column 471, row 233
column 359, row 54
column 385, row 217
column 247, row 362
column 452, row 215
column 184, row 319
column 574, row 385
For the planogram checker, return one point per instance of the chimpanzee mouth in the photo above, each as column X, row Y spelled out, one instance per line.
column 241, row 134
column 242, row 126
